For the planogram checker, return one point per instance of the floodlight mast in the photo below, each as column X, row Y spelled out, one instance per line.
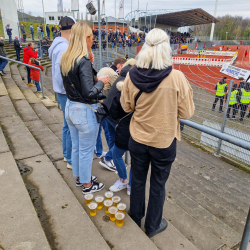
column 213, row 24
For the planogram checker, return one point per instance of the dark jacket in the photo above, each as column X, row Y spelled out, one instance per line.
column 41, row 28
column 85, row 88
column 9, row 31
column 17, row 45
column 117, row 113
column 22, row 29
column 2, row 49
column 47, row 29
column 113, row 90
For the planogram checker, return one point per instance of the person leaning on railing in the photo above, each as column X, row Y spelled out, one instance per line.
column 83, row 89
column 154, row 127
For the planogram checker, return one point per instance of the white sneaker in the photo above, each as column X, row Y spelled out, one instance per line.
column 107, row 164
column 102, row 155
column 64, row 159
column 69, row 166
column 118, row 186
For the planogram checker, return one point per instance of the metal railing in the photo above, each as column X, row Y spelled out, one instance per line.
column 18, row 62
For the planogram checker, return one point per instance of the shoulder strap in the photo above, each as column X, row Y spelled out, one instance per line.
column 137, row 97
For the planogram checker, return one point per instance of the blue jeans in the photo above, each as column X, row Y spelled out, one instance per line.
column 39, row 35
column 18, row 55
column 39, row 54
column 10, row 39
column 83, row 129
column 120, row 164
column 32, row 33
column 3, row 63
column 37, row 86
column 42, row 34
column 111, row 129
column 66, row 138
column 28, row 74
column 98, row 147
column 48, row 34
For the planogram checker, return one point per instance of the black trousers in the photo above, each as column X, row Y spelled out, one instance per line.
column 217, row 98
column 234, row 107
column 161, row 161
column 243, row 108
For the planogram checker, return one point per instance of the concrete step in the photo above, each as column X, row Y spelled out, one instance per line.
column 210, row 222
column 20, row 227
column 216, row 209
column 127, row 237
column 7, row 108
column 229, row 194
column 211, row 194
column 3, row 90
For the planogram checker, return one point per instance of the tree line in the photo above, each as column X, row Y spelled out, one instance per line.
column 229, row 27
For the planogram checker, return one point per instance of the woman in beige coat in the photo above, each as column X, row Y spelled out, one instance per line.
column 165, row 97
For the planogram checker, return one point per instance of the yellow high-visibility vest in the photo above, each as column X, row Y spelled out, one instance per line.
column 220, row 89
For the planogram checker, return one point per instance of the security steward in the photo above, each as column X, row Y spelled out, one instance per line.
column 244, row 100
column 199, row 55
column 221, row 90
column 126, row 58
column 232, row 101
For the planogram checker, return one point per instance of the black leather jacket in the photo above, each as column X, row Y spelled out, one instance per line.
column 81, row 85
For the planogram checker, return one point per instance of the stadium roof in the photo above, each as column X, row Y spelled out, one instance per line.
column 186, row 18
column 112, row 20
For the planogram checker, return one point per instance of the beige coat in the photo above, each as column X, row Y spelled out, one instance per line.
column 156, row 118
column 112, row 78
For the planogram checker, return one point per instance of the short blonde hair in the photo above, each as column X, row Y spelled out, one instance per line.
column 77, row 46
column 156, row 51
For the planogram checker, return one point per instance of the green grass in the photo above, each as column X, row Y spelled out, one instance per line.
column 27, row 29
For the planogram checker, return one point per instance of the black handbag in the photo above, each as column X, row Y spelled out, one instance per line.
column 101, row 112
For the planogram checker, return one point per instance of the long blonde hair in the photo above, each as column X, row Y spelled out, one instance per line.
column 77, row 46
column 156, row 51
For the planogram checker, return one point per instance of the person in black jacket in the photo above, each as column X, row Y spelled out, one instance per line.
column 122, row 133
column 83, row 89
column 17, row 47
column 23, row 33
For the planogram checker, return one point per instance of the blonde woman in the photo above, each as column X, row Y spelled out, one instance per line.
column 154, row 127
column 83, row 91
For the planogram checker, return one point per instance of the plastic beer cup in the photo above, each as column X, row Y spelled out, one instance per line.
column 119, row 218
column 92, row 208
column 112, row 212
column 107, row 205
column 116, row 200
column 109, row 195
column 99, row 200
column 88, row 198
column 122, row 207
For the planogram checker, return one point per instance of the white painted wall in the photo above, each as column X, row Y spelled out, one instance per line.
column 9, row 16
column 56, row 15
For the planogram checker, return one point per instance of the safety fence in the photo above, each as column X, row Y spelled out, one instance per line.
column 211, row 53
column 233, row 120
column 202, row 61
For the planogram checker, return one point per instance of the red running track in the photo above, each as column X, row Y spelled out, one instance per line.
column 207, row 77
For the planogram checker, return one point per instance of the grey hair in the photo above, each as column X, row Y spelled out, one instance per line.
column 156, row 51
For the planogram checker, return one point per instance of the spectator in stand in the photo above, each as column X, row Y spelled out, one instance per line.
column 35, row 73
column 122, row 134
column 9, row 33
column 23, row 33
column 83, row 89
column 166, row 96
column 39, row 32
column 27, row 54
column 118, row 64
column 32, row 31
column 58, row 47
column 42, row 30
column 54, row 33
column 3, row 62
column 17, row 47
column 43, row 47
column 48, row 30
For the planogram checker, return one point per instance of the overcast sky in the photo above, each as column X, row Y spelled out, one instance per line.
column 232, row 7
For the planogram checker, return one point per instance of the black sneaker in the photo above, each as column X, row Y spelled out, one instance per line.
column 79, row 184
column 94, row 187
column 163, row 226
